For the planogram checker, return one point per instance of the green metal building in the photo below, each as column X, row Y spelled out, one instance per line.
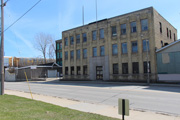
column 168, row 62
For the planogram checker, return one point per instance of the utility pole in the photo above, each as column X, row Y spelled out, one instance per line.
column 2, row 49
column 83, row 15
column 96, row 15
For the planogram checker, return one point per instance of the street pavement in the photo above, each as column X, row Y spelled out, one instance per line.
column 155, row 99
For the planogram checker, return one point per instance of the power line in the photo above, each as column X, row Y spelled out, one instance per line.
column 22, row 15
column 6, row 1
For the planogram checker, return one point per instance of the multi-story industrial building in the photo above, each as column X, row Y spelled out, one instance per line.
column 118, row 48
column 59, row 55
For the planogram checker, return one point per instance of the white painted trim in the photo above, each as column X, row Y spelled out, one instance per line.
column 169, row 77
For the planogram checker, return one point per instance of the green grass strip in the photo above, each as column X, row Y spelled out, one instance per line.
column 18, row 108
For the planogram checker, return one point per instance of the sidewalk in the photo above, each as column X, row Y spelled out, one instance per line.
column 94, row 108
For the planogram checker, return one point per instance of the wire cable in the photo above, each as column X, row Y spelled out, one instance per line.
column 22, row 15
column 6, row 1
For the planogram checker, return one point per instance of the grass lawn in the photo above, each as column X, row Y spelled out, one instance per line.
column 17, row 108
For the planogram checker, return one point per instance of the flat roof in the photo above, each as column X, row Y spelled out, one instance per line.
column 109, row 18
column 59, row 40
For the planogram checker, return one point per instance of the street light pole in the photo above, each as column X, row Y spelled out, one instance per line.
column 147, row 50
column 2, row 49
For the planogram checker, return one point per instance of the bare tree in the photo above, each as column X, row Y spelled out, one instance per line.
column 42, row 42
column 52, row 49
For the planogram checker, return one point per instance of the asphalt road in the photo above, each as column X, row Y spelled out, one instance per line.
column 159, row 99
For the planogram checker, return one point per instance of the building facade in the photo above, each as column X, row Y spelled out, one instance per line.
column 117, row 48
column 59, row 55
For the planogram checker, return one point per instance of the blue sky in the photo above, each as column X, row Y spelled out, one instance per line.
column 54, row 16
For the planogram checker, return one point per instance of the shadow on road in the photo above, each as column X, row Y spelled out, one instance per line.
column 85, row 83
column 164, row 88
column 155, row 87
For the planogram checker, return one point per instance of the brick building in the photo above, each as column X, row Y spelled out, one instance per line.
column 116, row 48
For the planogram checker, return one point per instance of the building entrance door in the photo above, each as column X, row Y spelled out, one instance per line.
column 99, row 73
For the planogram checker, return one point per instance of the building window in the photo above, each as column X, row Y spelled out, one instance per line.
column 72, row 70
column 60, row 63
column 61, row 46
column 124, row 68
column 123, row 29
column 146, row 66
column 66, row 70
column 85, row 70
column 66, row 55
column 57, row 55
column 135, row 67
column 57, row 46
column 174, row 37
column 102, row 53
column 72, row 54
column 167, row 32
column 124, row 48
column 133, row 27
column 84, row 53
column 60, row 54
column 134, row 47
column 145, row 45
column 114, row 49
column 84, row 37
column 72, row 40
column 94, row 51
column 101, row 33
column 160, row 25
column 170, row 33
column 77, row 39
column 66, row 41
column 144, row 24
column 78, row 54
column 114, row 31
column 115, row 68
column 162, row 44
column 78, row 70
column 94, row 33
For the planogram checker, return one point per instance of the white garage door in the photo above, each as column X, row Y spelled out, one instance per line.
column 52, row 73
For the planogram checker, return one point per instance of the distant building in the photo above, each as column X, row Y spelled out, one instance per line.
column 37, row 72
column 21, row 62
column 59, row 55
column 116, row 49
column 8, row 61
column 168, row 62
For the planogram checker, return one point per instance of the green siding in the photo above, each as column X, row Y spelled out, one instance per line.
column 173, row 67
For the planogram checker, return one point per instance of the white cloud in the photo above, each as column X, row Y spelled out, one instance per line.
column 26, row 42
